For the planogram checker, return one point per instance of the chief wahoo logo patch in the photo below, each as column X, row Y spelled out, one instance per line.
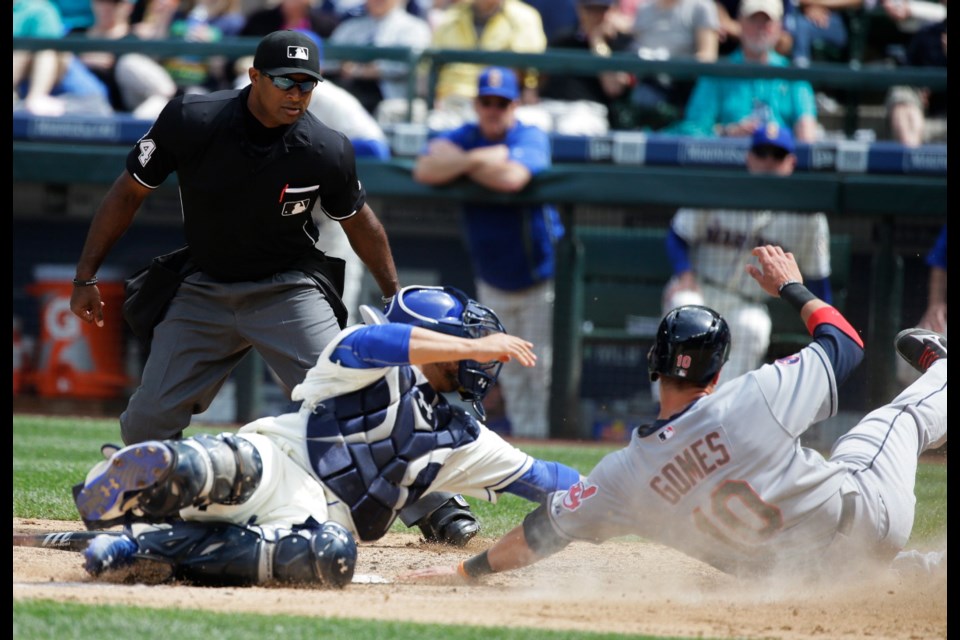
column 577, row 494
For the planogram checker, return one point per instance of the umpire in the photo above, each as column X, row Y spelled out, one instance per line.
column 251, row 164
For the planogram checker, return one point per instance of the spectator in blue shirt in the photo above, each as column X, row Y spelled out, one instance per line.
column 511, row 245
column 737, row 106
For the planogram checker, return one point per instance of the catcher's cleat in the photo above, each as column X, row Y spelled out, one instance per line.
column 920, row 347
column 118, row 486
column 452, row 523
column 108, row 449
column 108, row 551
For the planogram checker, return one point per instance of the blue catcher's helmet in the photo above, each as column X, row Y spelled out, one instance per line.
column 692, row 343
column 451, row 311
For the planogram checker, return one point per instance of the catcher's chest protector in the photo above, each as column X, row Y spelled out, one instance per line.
column 360, row 445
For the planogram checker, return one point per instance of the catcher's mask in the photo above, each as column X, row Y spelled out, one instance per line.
column 692, row 343
column 451, row 311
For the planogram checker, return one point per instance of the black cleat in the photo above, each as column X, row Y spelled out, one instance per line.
column 920, row 347
column 452, row 523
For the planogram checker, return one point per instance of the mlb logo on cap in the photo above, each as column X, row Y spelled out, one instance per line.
column 298, row 53
column 288, row 52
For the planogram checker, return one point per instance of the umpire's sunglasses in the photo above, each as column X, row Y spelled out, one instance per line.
column 285, row 84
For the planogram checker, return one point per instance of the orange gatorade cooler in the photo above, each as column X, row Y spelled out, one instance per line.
column 76, row 359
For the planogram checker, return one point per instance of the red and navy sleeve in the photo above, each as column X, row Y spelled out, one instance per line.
column 839, row 340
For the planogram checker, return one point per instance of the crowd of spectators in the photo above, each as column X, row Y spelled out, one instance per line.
column 497, row 138
column 792, row 33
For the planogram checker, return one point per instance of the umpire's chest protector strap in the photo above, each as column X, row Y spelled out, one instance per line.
column 539, row 533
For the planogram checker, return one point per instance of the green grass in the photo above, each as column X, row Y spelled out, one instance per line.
column 65, row 621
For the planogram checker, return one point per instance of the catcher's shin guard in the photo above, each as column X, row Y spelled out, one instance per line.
column 452, row 523
column 160, row 478
column 327, row 556
column 223, row 554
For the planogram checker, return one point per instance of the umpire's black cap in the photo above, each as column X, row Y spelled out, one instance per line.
column 286, row 52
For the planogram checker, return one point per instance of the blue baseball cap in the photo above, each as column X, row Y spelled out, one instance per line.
column 772, row 134
column 500, row 82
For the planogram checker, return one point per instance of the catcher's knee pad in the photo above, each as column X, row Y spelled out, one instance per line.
column 452, row 523
column 207, row 469
column 326, row 556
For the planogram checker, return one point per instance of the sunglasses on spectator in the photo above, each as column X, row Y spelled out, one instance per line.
column 769, row 151
column 488, row 102
column 285, row 84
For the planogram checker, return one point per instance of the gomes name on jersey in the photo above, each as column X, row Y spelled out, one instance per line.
column 689, row 467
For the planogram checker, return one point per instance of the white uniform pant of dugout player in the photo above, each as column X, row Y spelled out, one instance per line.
column 288, row 494
column 526, row 390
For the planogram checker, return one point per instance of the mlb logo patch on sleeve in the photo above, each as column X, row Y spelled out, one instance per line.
column 295, row 207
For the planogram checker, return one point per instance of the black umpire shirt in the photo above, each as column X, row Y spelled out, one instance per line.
column 247, row 190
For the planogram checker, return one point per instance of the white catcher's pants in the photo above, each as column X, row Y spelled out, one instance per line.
column 288, row 494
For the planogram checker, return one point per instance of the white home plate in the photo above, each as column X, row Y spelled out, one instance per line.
column 369, row 578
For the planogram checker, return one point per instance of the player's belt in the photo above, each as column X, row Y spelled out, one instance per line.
column 848, row 509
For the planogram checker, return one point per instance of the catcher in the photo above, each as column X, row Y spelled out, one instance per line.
column 284, row 499
column 721, row 474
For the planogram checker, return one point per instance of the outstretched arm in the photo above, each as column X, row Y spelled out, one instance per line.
column 431, row 346
column 780, row 277
column 394, row 344
column 512, row 551
column 778, row 270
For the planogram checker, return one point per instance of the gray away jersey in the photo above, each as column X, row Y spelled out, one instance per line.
column 725, row 481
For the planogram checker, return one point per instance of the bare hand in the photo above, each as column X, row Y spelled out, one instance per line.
column 503, row 347
column 441, row 147
column 744, row 128
column 819, row 16
column 434, row 575
column 897, row 10
column 776, row 269
column 493, row 154
column 935, row 318
column 86, row 304
column 685, row 282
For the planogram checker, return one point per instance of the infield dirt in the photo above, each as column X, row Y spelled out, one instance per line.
column 622, row 587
